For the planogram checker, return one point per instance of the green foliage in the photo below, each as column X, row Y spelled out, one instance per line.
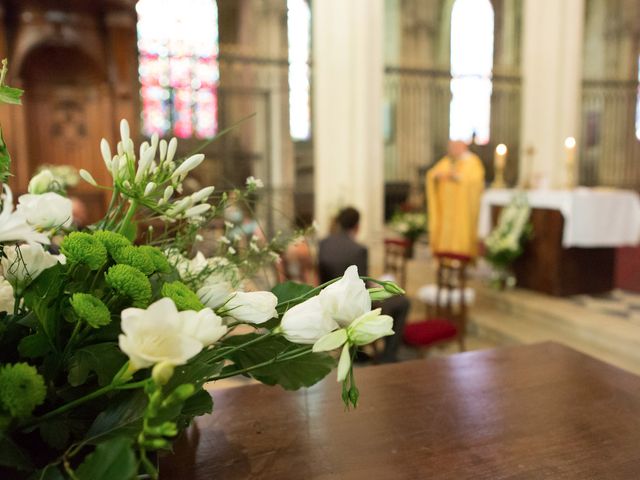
column 182, row 296
column 292, row 374
column 5, row 160
column 110, row 460
column 80, row 247
column 21, row 389
column 105, row 359
column 13, row 456
column 90, row 309
column 130, row 283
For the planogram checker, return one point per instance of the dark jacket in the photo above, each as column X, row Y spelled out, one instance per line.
column 337, row 252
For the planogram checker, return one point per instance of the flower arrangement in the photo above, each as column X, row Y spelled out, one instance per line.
column 505, row 242
column 409, row 224
column 106, row 343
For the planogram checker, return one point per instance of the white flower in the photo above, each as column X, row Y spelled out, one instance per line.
column 45, row 211
column 22, row 265
column 197, row 210
column 215, row 292
column 367, row 328
column 7, row 299
column 346, row 299
column 202, row 194
column 252, row 307
column 87, row 177
column 41, row 182
column 307, row 322
column 156, row 335
column 14, row 227
column 189, row 164
column 205, row 326
column 254, row 183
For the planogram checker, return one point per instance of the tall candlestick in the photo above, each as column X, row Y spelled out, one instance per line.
column 570, row 158
column 499, row 163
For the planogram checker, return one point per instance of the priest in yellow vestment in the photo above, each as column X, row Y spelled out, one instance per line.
column 454, row 188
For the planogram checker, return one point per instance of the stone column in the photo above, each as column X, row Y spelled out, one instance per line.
column 347, row 109
column 551, row 93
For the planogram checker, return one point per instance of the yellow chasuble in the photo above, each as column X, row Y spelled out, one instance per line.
column 453, row 204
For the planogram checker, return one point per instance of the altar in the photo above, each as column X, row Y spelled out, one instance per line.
column 575, row 236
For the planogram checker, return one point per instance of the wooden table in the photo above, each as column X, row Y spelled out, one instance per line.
column 530, row 412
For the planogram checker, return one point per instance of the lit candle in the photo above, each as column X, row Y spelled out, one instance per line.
column 570, row 147
column 500, row 157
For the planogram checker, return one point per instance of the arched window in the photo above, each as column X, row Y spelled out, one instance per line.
column 178, row 45
column 299, row 33
column 471, row 65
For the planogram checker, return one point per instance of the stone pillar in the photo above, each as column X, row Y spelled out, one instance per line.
column 551, row 93
column 348, row 143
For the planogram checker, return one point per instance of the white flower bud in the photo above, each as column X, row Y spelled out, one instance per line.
column 143, row 164
column 180, row 207
column 126, row 184
column 163, row 150
column 252, row 307
column 189, row 164
column 202, row 194
column 124, row 131
column 40, row 183
column 87, row 177
column 162, row 373
column 149, row 188
column 171, row 150
column 120, row 149
column 105, row 150
column 197, row 210
column 154, row 141
column 143, row 148
column 167, row 193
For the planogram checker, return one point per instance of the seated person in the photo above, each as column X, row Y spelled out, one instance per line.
column 340, row 250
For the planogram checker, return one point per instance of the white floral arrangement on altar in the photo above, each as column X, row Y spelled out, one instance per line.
column 505, row 242
column 106, row 343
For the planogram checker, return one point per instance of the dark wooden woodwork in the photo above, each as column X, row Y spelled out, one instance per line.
column 529, row 412
column 548, row 267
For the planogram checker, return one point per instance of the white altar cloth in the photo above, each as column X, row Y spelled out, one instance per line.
column 593, row 217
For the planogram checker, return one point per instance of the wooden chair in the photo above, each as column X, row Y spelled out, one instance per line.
column 395, row 259
column 446, row 319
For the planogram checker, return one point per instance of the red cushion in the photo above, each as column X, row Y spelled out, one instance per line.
column 429, row 331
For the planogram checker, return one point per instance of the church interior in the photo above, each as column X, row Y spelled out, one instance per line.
column 489, row 150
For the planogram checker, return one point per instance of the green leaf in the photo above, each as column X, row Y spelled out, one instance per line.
column 200, row 403
column 122, row 416
column 103, row 358
column 50, row 472
column 5, row 160
column 33, row 346
column 10, row 95
column 110, row 460
column 55, row 433
column 13, row 456
column 291, row 374
column 43, row 297
column 290, row 290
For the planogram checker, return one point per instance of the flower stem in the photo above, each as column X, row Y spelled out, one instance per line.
column 241, row 346
column 291, row 356
column 133, row 205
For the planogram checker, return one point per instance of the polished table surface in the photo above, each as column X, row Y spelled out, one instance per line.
column 528, row 412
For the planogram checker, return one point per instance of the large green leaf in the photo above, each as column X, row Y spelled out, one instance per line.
column 5, row 160
column 33, row 346
column 290, row 290
column 10, row 95
column 103, row 358
column 55, row 433
column 113, row 459
column 122, row 416
column 289, row 374
column 13, row 456
column 43, row 298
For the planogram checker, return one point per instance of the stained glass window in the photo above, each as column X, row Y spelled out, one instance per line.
column 299, row 33
column 471, row 65
column 178, row 48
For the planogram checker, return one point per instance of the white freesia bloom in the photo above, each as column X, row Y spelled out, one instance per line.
column 14, row 227
column 7, row 299
column 252, row 307
column 45, row 211
column 22, row 265
column 346, row 299
column 307, row 322
column 156, row 335
column 41, row 182
column 215, row 291
column 205, row 326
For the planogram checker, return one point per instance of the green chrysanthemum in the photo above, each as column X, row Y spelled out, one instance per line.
column 21, row 389
column 160, row 262
column 90, row 309
column 131, row 283
column 135, row 257
column 80, row 247
column 112, row 241
column 182, row 296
